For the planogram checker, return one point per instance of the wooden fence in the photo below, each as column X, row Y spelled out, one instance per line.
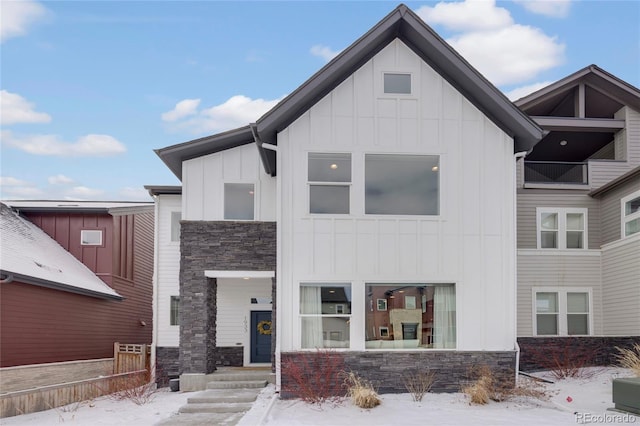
column 128, row 357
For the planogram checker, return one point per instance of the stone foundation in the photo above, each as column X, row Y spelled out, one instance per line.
column 387, row 370
column 232, row 356
column 536, row 353
column 167, row 365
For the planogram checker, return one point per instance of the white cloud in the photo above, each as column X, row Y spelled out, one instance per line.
column 134, row 194
column 11, row 181
column 465, row 16
column 16, row 109
column 182, row 109
column 60, row 180
column 324, row 52
column 521, row 92
column 17, row 16
column 237, row 111
column 12, row 187
column 503, row 51
column 86, row 146
column 83, row 193
column 551, row 8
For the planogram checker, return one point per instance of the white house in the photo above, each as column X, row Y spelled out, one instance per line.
column 372, row 212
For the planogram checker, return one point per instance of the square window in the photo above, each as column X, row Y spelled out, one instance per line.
column 409, row 302
column 239, row 201
column 382, row 304
column 402, row 184
column 322, row 325
column 91, row 237
column 326, row 199
column 329, row 176
column 562, row 312
column 384, row 331
column 561, row 228
column 397, row 83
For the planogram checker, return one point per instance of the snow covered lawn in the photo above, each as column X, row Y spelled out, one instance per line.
column 573, row 401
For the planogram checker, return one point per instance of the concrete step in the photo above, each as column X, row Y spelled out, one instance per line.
column 244, row 384
column 223, row 395
column 243, row 376
column 202, row 419
column 215, row 408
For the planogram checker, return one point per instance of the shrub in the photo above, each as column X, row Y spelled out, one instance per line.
column 314, row 377
column 487, row 387
column 138, row 387
column 419, row 383
column 630, row 358
column 566, row 358
column 361, row 391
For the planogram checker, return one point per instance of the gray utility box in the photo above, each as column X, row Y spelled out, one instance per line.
column 626, row 394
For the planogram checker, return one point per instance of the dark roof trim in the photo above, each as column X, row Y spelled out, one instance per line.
column 58, row 286
column 401, row 23
column 163, row 189
column 120, row 210
column 595, row 77
column 620, row 181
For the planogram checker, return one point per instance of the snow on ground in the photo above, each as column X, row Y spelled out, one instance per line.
column 573, row 401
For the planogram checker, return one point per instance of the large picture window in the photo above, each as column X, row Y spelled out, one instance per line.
column 325, row 313
column 329, row 177
column 562, row 228
column 415, row 316
column 631, row 214
column 402, row 184
column 239, row 201
column 562, row 312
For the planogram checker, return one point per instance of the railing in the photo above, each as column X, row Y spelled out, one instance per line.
column 556, row 172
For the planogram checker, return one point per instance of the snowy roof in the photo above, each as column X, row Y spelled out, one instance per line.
column 80, row 206
column 29, row 255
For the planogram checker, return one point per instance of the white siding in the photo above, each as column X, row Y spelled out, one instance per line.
column 621, row 287
column 471, row 243
column 203, row 180
column 167, row 270
column 544, row 269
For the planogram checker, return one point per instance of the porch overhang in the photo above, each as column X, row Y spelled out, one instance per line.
column 239, row 274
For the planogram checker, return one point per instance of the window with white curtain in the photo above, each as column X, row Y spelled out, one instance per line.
column 631, row 214
column 562, row 311
column 562, row 228
column 325, row 314
column 416, row 316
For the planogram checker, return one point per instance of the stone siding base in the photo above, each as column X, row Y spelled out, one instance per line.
column 542, row 353
column 387, row 371
column 167, row 365
column 231, row 356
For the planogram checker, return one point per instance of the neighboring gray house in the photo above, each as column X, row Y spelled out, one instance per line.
column 579, row 216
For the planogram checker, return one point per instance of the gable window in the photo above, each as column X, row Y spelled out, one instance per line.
column 174, row 310
column 631, row 214
column 325, row 314
column 562, row 228
column 562, row 312
column 91, row 237
column 175, row 226
column 239, row 201
column 397, row 83
column 415, row 316
column 402, row 184
column 329, row 177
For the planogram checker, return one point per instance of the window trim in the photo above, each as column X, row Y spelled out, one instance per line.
column 347, row 184
column 255, row 200
column 395, row 94
column 301, row 316
column 562, row 226
column 624, row 218
column 562, row 310
column 100, row 244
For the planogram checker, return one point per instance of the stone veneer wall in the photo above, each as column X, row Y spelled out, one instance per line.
column 215, row 245
column 229, row 356
column 537, row 352
column 387, row 370
column 167, row 365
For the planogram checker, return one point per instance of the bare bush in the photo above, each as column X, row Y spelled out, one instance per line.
column 314, row 377
column 629, row 358
column 138, row 387
column 418, row 383
column 361, row 391
column 566, row 358
column 487, row 386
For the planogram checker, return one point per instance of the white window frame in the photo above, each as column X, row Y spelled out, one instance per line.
column 396, row 94
column 255, row 200
column 346, row 184
column 99, row 244
column 628, row 218
column 562, row 309
column 349, row 315
column 562, row 226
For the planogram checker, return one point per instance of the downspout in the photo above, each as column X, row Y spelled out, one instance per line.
column 516, row 157
column 154, row 300
column 6, row 279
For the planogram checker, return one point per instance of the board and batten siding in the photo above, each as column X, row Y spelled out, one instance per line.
column 471, row 243
column 203, row 180
column 168, row 270
column 530, row 199
column 621, row 287
column 612, row 210
column 553, row 269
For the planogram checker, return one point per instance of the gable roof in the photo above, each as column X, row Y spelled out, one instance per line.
column 30, row 256
column 401, row 23
column 604, row 82
column 625, row 179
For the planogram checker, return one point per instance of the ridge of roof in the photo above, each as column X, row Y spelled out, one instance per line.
column 400, row 23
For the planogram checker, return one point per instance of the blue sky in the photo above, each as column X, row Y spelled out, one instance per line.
column 90, row 89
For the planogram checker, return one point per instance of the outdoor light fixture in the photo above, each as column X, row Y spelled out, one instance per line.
column 434, row 169
column 563, row 142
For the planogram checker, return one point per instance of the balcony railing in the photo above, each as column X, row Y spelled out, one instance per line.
column 556, row 172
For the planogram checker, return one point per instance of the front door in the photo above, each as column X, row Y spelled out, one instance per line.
column 261, row 336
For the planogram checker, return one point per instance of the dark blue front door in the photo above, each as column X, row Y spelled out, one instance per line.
column 261, row 336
